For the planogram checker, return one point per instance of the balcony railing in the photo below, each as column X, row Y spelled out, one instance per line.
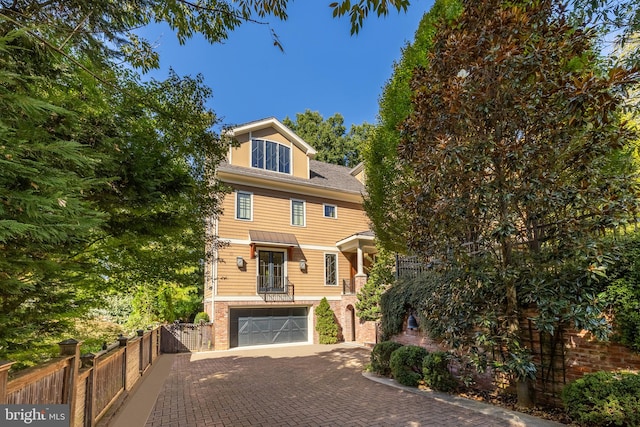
column 275, row 288
column 272, row 284
column 348, row 287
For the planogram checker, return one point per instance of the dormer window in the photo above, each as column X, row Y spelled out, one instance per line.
column 270, row 155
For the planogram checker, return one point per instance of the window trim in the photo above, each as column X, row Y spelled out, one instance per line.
column 304, row 212
column 277, row 160
column 237, row 207
column 335, row 211
column 324, row 259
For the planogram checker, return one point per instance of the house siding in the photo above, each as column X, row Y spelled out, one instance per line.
column 271, row 211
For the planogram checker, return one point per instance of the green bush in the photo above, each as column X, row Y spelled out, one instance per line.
column 604, row 399
column 380, row 356
column 435, row 371
column 326, row 325
column 406, row 364
column 622, row 291
column 201, row 316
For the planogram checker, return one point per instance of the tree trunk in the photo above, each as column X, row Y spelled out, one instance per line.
column 526, row 395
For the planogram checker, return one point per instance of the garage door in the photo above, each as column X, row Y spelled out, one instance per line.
column 260, row 326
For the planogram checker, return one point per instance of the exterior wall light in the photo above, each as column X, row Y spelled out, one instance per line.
column 240, row 262
column 303, row 264
column 412, row 323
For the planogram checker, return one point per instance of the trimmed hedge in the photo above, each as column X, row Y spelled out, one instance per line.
column 406, row 364
column 381, row 355
column 604, row 399
column 435, row 371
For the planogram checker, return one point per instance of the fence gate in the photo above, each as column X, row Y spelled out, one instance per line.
column 186, row 337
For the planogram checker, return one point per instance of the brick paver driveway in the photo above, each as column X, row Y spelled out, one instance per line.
column 295, row 386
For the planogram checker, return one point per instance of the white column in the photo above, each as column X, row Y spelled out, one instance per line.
column 360, row 261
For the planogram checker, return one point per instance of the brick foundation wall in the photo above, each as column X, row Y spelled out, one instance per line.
column 343, row 309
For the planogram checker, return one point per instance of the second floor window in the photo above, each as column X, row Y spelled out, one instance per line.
column 270, row 155
column 330, row 211
column 297, row 212
column 243, row 205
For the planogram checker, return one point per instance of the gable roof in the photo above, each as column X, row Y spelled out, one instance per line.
column 276, row 124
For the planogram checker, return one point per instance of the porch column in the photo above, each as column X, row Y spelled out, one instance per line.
column 360, row 261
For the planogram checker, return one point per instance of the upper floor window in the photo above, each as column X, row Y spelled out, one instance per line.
column 243, row 205
column 270, row 155
column 297, row 212
column 330, row 211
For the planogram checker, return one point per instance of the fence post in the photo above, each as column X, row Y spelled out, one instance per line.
column 4, row 379
column 140, row 333
column 150, row 347
column 89, row 362
column 71, row 347
column 123, row 343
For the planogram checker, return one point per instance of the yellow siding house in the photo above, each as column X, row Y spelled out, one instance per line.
column 291, row 232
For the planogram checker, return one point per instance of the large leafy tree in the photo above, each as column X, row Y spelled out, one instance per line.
column 386, row 178
column 517, row 148
column 329, row 137
column 102, row 187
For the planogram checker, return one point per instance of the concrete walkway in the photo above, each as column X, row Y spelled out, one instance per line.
column 302, row 385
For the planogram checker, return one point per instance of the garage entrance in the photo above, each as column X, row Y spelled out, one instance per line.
column 263, row 326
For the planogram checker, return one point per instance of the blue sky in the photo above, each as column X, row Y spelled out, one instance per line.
column 322, row 69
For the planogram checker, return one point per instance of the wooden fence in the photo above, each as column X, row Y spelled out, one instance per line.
column 89, row 384
column 187, row 337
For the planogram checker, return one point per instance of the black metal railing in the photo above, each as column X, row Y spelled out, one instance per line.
column 348, row 287
column 270, row 284
column 276, row 288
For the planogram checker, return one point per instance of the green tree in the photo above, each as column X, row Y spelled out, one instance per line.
column 386, row 179
column 326, row 324
column 329, row 137
column 381, row 276
column 512, row 141
column 45, row 176
column 102, row 175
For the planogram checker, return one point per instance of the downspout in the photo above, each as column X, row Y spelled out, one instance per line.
column 214, row 270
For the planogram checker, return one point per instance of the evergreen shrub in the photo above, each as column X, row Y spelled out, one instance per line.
column 435, row 372
column 604, row 399
column 381, row 355
column 406, row 364
column 326, row 325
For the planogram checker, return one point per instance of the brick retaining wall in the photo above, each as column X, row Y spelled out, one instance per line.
column 576, row 353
